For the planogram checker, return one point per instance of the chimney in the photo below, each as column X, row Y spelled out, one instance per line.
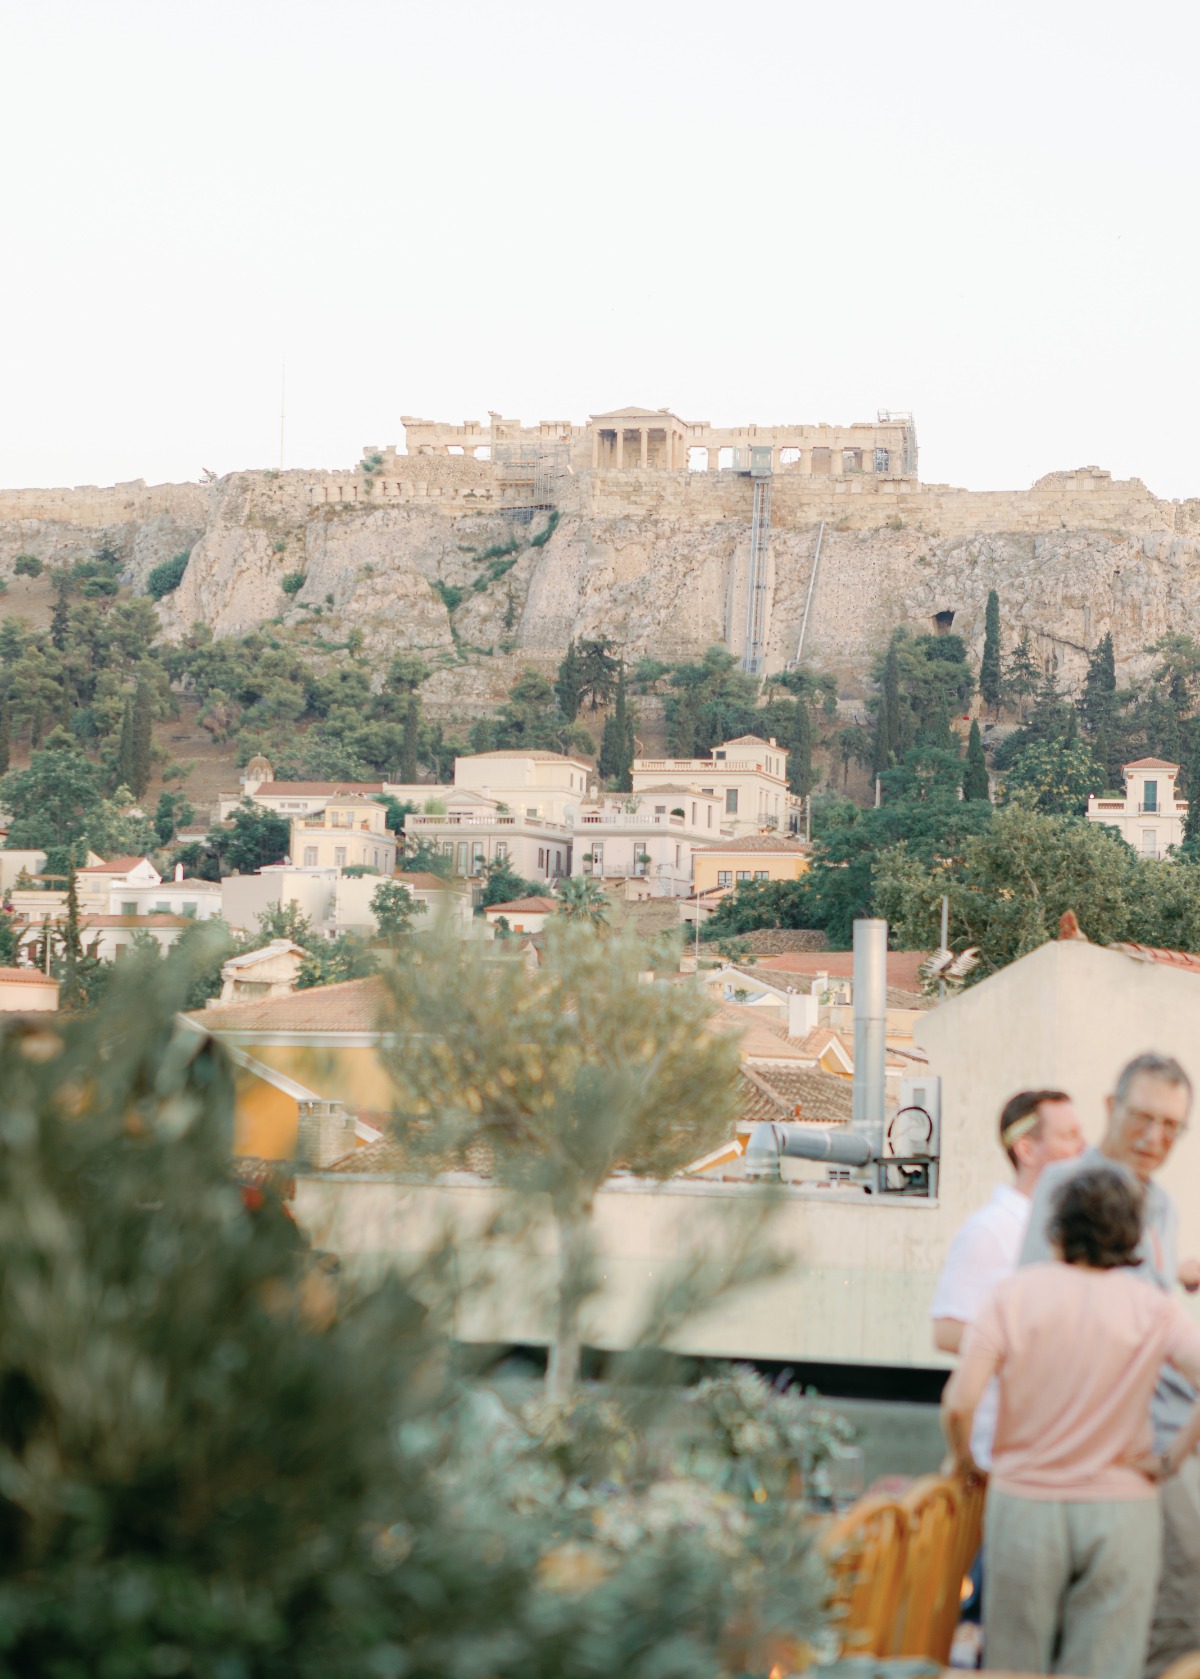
column 870, row 1029
column 803, row 1013
column 179, row 871
column 325, row 1134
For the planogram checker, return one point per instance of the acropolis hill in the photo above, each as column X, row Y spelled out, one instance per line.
column 650, row 545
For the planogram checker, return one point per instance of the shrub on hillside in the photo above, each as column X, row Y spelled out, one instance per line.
column 292, row 583
column 166, row 578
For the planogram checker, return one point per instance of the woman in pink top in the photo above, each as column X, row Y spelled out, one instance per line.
column 1072, row 1534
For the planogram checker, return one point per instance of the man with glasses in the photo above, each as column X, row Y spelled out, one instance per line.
column 1147, row 1114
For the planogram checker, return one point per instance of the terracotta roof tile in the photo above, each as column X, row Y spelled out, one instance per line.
column 777, row 1094
column 425, row 882
column 1149, row 764
column 747, row 740
column 26, row 976
column 531, row 906
column 116, row 865
column 354, row 1005
column 1168, row 958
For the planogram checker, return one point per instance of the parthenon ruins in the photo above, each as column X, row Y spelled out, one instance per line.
column 655, row 439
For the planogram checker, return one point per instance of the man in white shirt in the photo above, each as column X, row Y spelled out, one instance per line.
column 1036, row 1128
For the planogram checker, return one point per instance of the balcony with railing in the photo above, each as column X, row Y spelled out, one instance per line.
column 560, row 830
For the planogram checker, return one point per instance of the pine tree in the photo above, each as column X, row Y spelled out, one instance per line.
column 990, row 677
column 408, row 749
column 568, row 685
column 124, row 768
column 1099, row 709
column 5, row 735
column 1021, row 677
column 975, row 777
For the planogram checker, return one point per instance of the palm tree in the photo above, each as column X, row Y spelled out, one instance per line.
column 581, row 898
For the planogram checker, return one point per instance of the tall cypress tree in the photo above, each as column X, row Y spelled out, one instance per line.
column 975, row 777
column 800, row 764
column 71, row 990
column 142, row 738
column 990, row 677
column 616, row 745
column 5, row 735
column 408, row 747
column 568, row 685
column 123, row 771
column 889, row 725
column 1191, row 822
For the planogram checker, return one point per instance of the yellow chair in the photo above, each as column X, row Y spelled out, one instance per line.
column 930, row 1587
column 865, row 1551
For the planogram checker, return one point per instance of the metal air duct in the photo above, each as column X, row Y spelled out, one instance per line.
column 870, row 1031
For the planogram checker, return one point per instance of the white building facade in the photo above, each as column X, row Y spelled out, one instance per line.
column 1150, row 817
column 748, row 775
column 648, row 835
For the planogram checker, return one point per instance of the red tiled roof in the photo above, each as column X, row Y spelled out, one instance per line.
column 425, row 882
column 118, row 865
column 25, row 976
column 1168, row 958
column 310, row 789
column 532, row 906
column 745, row 740
column 779, row 1092
column 1149, row 764
column 903, row 966
column 353, row 1005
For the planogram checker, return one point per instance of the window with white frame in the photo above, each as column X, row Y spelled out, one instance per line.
column 724, row 877
column 310, row 856
column 339, row 856
column 731, row 801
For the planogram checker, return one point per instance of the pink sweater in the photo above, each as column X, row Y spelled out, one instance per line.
column 1077, row 1353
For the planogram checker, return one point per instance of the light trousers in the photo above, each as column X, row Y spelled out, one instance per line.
column 1175, row 1629
column 1070, row 1587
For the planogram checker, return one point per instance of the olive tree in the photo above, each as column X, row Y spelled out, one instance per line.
column 564, row 1074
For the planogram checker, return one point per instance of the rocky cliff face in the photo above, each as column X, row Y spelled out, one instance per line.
column 656, row 561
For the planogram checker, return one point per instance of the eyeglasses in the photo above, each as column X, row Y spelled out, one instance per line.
column 1172, row 1129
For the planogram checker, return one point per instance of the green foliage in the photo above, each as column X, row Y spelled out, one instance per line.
column 568, row 685
column 598, row 667
column 1021, row 676
column 991, row 679
column 54, row 801
column 1054, row 776
column 617, row 744
column 28, row 565
column 397, row 810
column 543, row 536
column 975, row 775
column 394, row 909
column 164, row 579
column 292, row 582
column 502, row 885
column 581, row 899
column 251, row 840
column 921, row 683
column 451, row 595
column 330, row 961
column 142, row 743
column 173, row 812
column 709, row 702
column 530, row 721
column 1009, row 883
column 563, row 1079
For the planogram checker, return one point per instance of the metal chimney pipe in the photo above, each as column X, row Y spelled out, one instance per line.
column 768, row 1143
column 870, row 1030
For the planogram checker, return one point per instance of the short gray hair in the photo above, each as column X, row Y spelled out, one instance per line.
column 1155, row 1066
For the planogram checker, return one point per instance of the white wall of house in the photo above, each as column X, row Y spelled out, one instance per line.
column 199, row 900
column 539, row 784
column 352, row 906
column 244, row 897
column 749, row 779
column 1150, row 818
column 12, row 863
column 473, row 833
column 347, row 833
column 639, row 835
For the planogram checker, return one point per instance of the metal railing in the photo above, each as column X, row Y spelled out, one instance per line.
column 540, row 822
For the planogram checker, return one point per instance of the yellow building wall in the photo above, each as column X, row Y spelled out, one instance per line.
column 707, row 864
column 265, row 1119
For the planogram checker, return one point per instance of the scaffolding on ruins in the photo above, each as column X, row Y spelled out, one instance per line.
column 531, row 474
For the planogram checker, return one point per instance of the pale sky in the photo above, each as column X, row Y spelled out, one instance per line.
column 761, row 212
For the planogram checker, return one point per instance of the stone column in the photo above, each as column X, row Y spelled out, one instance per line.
column 714, row 460
column 805, row 461
column 595, row 447
column 620, row 447
column 643, row 445
column 668, row 463
column 835, row 460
